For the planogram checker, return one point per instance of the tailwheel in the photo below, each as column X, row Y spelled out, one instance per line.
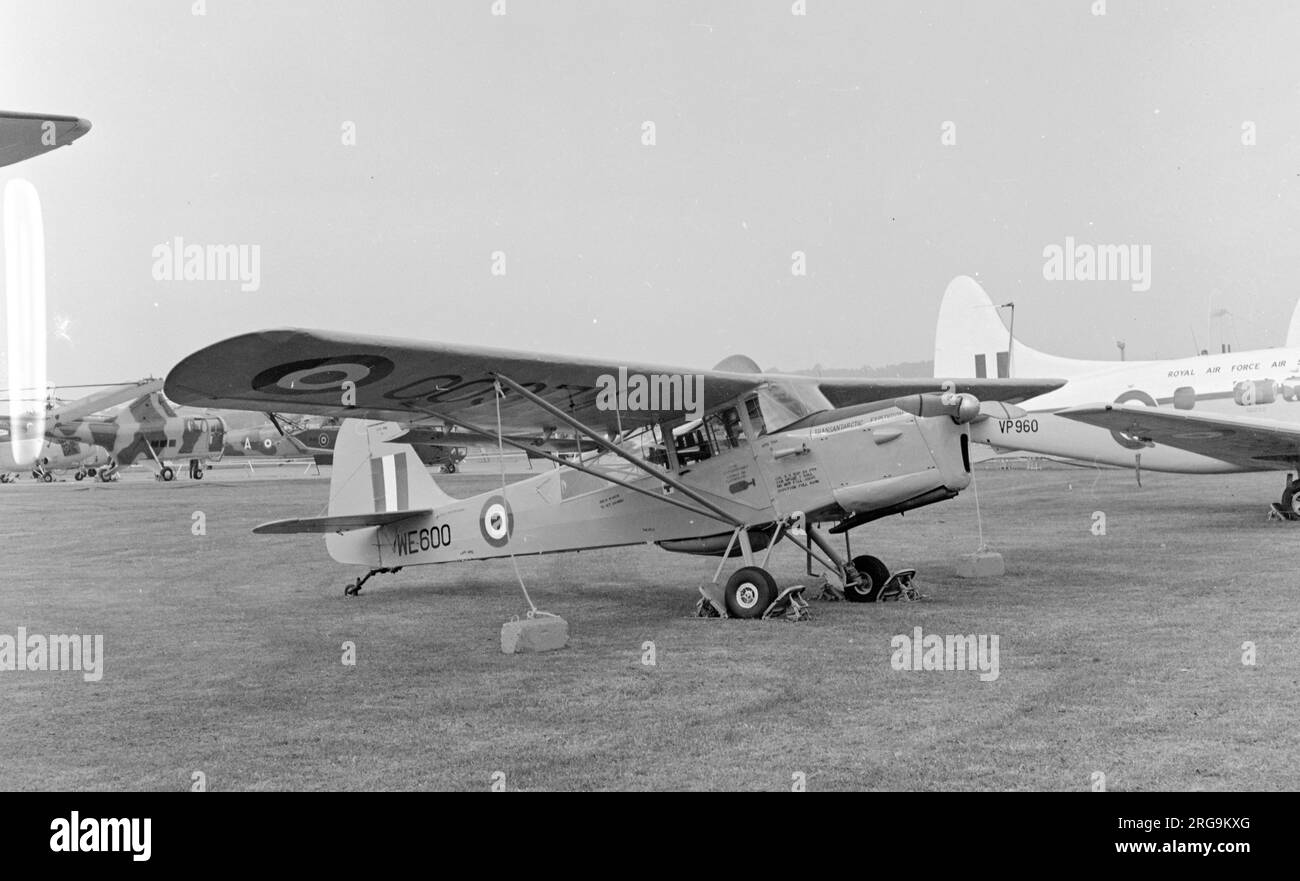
column 874, row 575
column 750, row 590
column 167, row 474
column 47, row 477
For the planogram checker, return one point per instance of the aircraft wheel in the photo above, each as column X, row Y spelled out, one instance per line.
column 167, row 474
column 451, row 467
column 80, row 475
column 750, row 590
column 874, row 572
column 90, row 472
column 47, row 477
column 1291, row 497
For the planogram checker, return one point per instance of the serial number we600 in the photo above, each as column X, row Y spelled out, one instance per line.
column 415, row 540
column 1017, row 426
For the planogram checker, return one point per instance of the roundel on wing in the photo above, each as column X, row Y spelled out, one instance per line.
column 496, row 521
column 1124, row 440
column 323, row 374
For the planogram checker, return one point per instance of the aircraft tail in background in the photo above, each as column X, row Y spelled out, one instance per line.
column 971, row 340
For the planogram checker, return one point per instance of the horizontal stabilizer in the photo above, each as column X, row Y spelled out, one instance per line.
column 337, row 523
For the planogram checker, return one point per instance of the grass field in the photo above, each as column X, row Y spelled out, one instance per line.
column 1119, row 654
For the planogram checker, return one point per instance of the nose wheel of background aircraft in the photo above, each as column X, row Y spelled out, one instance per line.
column 875, row 574
column 167, row 474
column 449, row 468
column 47, row 477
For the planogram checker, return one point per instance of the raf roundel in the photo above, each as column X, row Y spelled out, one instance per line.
column 323, row 374
column 496, row 522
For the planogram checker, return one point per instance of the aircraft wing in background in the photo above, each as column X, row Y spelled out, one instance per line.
column 24, row 135
column 1242, row 440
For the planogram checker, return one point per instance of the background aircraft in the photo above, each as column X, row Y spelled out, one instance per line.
column 776, row 451
column 24, row 135
column 148, row 428
column 1207, row 414
column 69, row 455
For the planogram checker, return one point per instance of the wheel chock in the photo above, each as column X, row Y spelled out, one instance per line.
column 790, row 604
column 711, row 603
column 900, row 588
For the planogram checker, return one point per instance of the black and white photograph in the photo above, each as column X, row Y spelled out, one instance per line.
column 575, row 396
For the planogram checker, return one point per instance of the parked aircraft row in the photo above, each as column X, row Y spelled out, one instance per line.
column 761, row 458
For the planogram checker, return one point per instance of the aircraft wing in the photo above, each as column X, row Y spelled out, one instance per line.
column 1243, row 440
column 848, row 391
column 302, row 371
column 24, row 135
column 337, row 523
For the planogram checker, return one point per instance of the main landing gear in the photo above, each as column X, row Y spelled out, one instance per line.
column 1289, row 507
column 196, row 469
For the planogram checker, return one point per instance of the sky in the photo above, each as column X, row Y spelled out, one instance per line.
column 774, row 133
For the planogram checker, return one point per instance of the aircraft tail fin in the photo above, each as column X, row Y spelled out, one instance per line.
column 372, row 475
column 1293, row 333
column 971, row 341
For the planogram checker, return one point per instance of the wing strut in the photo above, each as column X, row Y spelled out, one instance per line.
column 599, row 441
column 534, row 451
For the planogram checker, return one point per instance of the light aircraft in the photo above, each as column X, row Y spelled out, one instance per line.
column 1207, row 414
column 773, row 456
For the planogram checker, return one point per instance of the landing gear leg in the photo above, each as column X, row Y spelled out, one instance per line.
column 1290, row 508
column 354, row 588
column 196, row 469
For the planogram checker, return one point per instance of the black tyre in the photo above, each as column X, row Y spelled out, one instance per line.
column 47, row 477
column 91, row 472
column 167, row 474
column 1291, row 497
column 80, row 475
column 749, row 592
column 874, row 575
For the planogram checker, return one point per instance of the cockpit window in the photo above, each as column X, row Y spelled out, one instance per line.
column 784, row 403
